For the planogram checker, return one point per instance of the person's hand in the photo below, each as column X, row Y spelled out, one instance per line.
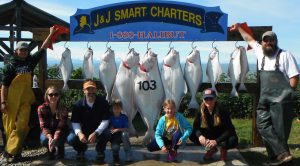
column 164, row 149
column 179, row 143
column 82, row 137
column 234, row 27
column 3, row 108
column 92, row 137
column 52, row 144
column 202, row 140
column 53, row 30
column 112, row 131
column 211, row 143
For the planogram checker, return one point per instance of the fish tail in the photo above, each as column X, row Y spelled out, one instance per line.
column 193, row 103
column 65, row 87
column 242, row 87
column 234, row 92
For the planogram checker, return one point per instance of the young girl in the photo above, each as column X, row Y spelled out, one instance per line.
column 213, row 127
column 172, row 131
column 53, row 122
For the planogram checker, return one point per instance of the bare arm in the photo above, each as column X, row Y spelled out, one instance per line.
column 294, row 81
column 48, row 39
column 4, row 92
column 247, row 37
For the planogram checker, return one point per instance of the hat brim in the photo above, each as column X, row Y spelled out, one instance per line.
column 208, row 96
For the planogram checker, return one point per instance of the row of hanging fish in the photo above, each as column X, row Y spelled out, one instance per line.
column 141, row 86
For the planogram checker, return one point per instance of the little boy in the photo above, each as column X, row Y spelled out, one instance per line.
column 119, row 127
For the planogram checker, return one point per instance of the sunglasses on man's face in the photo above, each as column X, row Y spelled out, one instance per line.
column 268, row 39
column 53, row 94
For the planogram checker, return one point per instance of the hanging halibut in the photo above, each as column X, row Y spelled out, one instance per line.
column 172, row 78
column 238, row 69
column 88, row 68
column 149, row 93
column 213, row 69
column 66, row 67
column 108, row 72
column 193, row 76
column 123, row 88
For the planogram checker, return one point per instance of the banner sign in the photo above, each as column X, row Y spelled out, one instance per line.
column 149, row 21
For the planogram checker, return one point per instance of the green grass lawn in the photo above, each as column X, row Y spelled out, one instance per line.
column 244, row 131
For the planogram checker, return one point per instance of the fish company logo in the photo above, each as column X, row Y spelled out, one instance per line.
column 160, row 14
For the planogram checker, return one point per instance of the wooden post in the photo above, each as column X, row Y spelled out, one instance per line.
column 42, row 69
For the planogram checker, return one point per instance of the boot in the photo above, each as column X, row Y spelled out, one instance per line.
column 223, row 156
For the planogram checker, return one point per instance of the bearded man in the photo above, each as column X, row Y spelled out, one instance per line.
column 279, row 76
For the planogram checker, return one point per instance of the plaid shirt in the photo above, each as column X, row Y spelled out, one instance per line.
column 52, row 124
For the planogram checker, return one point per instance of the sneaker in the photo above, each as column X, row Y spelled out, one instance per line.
column 282, row 158
column 208, row 155
column 223, row 155
column 172, row 155
column 80, row 156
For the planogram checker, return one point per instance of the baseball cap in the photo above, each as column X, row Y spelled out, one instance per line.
column 270, row 34
column 89, row 84
column 22, row 44
column 209, row 93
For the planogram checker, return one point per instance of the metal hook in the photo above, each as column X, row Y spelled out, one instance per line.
column 87, row 45
column 65, row 44
column 129, row 46
column 107, row 45
column 193, row 47
column 212, row 44
column 148, row 45
column 236, row 44
column 170, row 45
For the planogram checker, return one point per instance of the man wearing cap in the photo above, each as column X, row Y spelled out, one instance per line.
column 212, row 127
column 279, row 76
column 17, row 96
column 90, row 120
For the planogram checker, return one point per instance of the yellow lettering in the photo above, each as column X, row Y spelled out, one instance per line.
column 185, row 16
column 137, row 12
column 198, row 20
column 153, row 11
column 107, row 20
column 167, row 13
column 192, row 18
column 160, row 11
column 124, row 13
column 144, row 11
column 117, row 15
column 179, row 13
column 173, row 13
column 131, row 13
column 96, row 24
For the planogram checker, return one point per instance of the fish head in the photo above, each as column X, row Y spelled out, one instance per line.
column 132, row 59
column 66, row 53
column 193, row 56
column 171, row 58
column 214, row 54
column 108, row 55
column 88, row 53
column 148, row 62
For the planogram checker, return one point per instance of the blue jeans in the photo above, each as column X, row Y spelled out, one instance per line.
column 116, row 140
column 170, row 144
column 60, row 141
column 79, row 146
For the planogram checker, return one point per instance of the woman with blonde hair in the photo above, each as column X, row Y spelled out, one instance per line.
column 213, row 127
column 53, row 122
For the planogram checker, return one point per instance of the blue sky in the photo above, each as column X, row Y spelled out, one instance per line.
column 282, row 15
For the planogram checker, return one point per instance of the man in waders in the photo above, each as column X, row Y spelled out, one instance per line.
column 279, row 76
column 17, row 96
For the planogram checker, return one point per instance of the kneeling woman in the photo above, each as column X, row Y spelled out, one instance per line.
column 213, row 127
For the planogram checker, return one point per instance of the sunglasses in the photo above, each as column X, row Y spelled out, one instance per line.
column 268, row 39
column 53, row 94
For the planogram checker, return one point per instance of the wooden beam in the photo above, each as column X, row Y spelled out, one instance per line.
column 8, row 39
column 257, row 32
column 8, row 28
column 40, row 34
column 7, row 49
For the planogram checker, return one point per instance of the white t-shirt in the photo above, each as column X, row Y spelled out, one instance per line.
column 287, row 62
